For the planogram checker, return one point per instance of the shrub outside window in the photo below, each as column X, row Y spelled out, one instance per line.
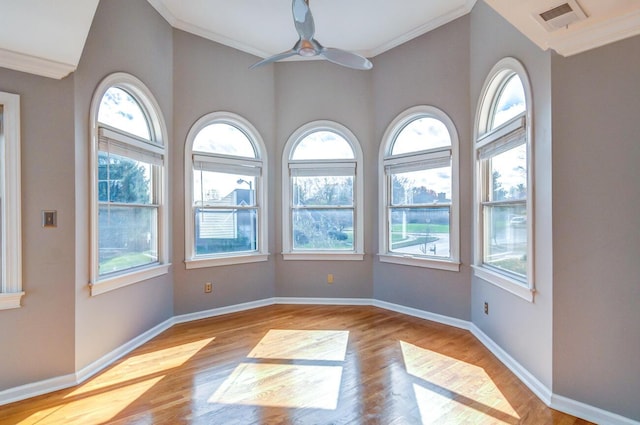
column 322, row 191
column 419, row 190
column 128, row 230
column 504, row 245
column 224, row 166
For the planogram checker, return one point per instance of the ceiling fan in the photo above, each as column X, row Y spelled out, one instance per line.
column 308, row 46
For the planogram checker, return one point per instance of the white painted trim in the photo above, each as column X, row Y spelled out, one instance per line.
column 554, row 401
column 199, row 263
column 11, row 224
column 570, row 43
column 538, row 388
column 505, row 282
column 190, row 317
column 35, row 65
column 323, row 256
column 590, row 413
column 409, row 260
column 423, row 29
column 322, row 301
column 421, row 314
column 10, row 300
column 127, row 279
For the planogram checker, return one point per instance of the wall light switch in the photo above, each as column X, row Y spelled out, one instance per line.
column 49, row 219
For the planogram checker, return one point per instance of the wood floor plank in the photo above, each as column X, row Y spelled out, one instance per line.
column 291, row 364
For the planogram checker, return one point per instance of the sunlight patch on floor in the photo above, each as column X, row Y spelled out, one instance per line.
column 273, row 378
column 103, row 397
column 450, row 391
column 142, row 365
column 302, row 345
column 277, row 385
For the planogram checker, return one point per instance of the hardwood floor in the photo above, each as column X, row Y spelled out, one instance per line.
column 299, row 365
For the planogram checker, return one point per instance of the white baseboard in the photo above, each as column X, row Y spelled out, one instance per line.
column 236, row 308
column 421, row 314
column 554, row 401
column 588, row 412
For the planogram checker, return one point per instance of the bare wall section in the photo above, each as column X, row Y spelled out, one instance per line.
column 127, row 36
column 430, row 70
column 318, row 90
column 45, row 322
column 596, row 227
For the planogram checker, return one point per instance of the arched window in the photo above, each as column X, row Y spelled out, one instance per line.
column 128, row 191
column 419, row 190
column 322, row 194
column 503, row 149
column 225, row 179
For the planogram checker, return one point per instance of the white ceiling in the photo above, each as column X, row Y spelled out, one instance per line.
column 46, row 37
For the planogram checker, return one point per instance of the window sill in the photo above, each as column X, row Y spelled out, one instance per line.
column 199, row 263
column 323, row 256
column 10, row 300
column 505, row 282
column 409, row 260
column 120, row 281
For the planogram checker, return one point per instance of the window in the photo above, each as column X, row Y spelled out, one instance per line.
column 419, row 190
column 322, row 194
column 129, row 224
column 10, row 224
column 225, row 192
column 503, row 152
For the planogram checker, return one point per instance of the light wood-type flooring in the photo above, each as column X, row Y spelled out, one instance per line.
column 287, row 364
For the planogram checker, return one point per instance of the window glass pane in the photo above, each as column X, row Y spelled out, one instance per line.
column 120, row 110
column 509, row 102
column 431, row 186
column 323, row 229
column 224, row 139
column 506, row 238
column 420, row 231
column 127, row 237
column 225, row 230
column 121, row 179
column 323, row 145
column 222, row 189
column 508, row 177
column 421, row 134
column 323, row 191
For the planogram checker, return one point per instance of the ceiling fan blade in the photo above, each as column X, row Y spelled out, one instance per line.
column 303, row 19
column 274, row 58
column 348, row 59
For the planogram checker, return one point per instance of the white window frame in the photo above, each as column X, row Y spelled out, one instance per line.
column 11, row 292
column 158, row 129
column 192, row 261
column 288, row 253
column 484, row 139
column 385, row 159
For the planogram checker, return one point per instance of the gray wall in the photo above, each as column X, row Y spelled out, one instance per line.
column 127, row 36
column 309, row 91
column 521, row 328
column 409, row 75
column 45, row 323
column 209, row 77
column 596, row 227
column 579, row 338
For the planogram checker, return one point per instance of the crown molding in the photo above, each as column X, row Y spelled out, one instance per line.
column 35, row 65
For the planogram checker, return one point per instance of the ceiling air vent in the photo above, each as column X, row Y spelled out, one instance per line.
column 561, row 15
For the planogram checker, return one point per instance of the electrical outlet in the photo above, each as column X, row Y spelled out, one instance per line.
column 208, row 287
column 330, row 278
column 486, row 308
